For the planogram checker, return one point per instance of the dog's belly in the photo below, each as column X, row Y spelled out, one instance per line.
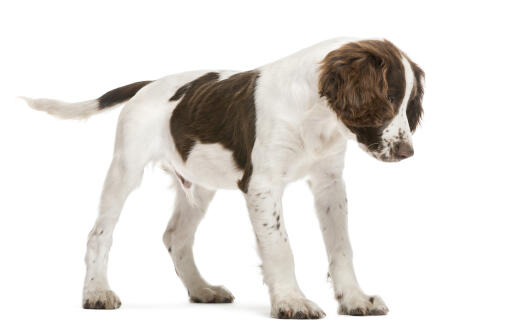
column 211, row 166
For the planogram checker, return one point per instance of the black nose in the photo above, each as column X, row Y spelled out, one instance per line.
column 404, row 150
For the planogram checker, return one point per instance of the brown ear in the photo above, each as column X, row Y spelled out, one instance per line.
column 353, row 80
column 414, row 110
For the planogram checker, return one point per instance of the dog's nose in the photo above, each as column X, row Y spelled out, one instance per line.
column 404, row 150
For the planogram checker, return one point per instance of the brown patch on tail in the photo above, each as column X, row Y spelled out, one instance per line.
column 120, row 94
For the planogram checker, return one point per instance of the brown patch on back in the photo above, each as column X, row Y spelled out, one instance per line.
column 363, row 82
column 213, row 111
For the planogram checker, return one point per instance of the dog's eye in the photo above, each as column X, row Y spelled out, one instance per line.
column 390, row 98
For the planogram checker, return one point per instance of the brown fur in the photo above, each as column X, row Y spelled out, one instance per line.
column 213, row 111
column 363, row 82
column 414, row 109
column 120, row 94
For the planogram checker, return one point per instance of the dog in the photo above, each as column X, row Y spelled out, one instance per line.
column 256, row 131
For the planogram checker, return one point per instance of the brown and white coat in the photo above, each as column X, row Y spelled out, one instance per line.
column 257, row 131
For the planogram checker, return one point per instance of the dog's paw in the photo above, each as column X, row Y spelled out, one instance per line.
column 361, row 305
column 211, row 294
column 296, row 308
column 100, row 299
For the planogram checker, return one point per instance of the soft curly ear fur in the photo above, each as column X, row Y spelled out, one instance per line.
column 353, row 79
column 414, row 110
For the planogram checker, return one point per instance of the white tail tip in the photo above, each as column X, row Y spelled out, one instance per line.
column 65, row 110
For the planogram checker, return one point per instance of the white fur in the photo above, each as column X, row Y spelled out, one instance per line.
column 64, row 110
column 297, row 134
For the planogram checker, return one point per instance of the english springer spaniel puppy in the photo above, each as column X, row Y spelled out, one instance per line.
column 256, row 131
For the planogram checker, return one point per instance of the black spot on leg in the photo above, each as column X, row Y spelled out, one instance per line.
column 278, row 218
column 170, row 249
column 371, row 299
column 274, row 213
column 328, row 209
column 265, row 224
column 278, row 226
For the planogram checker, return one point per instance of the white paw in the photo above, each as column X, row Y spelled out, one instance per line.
column 100, row 299
column 359, row 304
column 211, row 294
column 296, row 308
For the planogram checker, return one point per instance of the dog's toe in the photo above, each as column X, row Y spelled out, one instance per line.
column 211, row 294
column 296, row 308
column 362, row 305
column 100, row 299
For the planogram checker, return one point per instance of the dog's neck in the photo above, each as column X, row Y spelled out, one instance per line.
column 302, row 90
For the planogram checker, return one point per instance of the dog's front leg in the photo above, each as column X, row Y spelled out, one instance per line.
column 287, row 300
column 331, row 207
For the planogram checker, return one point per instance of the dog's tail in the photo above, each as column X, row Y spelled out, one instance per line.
column 84, row 109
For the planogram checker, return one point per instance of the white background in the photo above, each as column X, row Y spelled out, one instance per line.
column 431, row 234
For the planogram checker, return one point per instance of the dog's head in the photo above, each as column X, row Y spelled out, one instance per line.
column 376, row 91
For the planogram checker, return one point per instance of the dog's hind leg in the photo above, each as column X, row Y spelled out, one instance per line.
column 134, row 135
column 121, row 179
column 178, row 239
